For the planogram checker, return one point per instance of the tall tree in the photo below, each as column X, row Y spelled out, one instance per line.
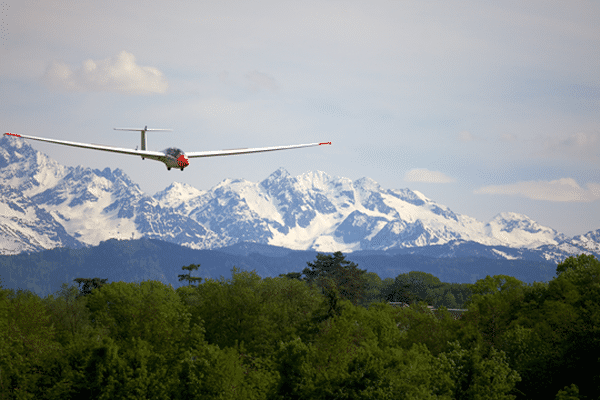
column 89, row 285
column 188, row 277
column 349, row 280
column 416, row 286
column 581, row 261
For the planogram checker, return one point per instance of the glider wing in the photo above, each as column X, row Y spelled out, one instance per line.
column 232, row 152
column 143, row 153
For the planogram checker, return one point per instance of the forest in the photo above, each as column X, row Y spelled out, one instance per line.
column 327, row 332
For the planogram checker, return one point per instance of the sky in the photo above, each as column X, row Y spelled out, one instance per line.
column 484, row 107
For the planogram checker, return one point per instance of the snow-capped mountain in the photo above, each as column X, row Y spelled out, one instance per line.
column 317, row 211
column 517, row 229
column 80, row 206
column 89, row 205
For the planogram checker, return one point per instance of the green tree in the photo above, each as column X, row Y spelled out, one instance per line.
column 478, row 377
column 292, row 275
column 495, row 284
column 374, row 287
column 460, row 292
column 561, row 325
column 345, row 275
column 256, row 312
column 154, row 350
column 549, row 331
column 147, row 310
column 188, row 277
column 68, row 313
column 414, row 287
column 89, row 284
column 295, row 368
column 399, row 293
column 420, row 325
column 581, row 261
column 493, row 305
column 568, row 393
column 354, row 357
column 26, row 343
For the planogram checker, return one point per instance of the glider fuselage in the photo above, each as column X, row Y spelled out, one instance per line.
column 175, row 158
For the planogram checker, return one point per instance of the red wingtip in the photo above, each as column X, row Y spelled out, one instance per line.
column 324, row 143
column 12, row 134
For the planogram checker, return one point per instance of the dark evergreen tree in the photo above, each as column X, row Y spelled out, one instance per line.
column 89, row 285
column 348, row 279
column 292, row 275
column 188, row 277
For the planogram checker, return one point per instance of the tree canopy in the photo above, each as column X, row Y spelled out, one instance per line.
column 291, row 337
column 335, row 273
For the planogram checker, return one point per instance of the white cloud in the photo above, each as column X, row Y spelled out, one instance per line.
column 563, row 190
column 466, row 136
column 259, row 80
column 224, row 76
column 424, row 175
column 508, row 137
column 118, row 74
column 581, row 141
column 580, row 145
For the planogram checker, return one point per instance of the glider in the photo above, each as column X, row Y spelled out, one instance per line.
column 171, row 157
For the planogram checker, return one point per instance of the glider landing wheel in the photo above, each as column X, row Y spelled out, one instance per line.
column 168, row 168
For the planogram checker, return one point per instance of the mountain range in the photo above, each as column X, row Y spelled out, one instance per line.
column 150, row 259
column 46, row 205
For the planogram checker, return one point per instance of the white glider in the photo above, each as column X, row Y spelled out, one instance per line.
column 171, row 157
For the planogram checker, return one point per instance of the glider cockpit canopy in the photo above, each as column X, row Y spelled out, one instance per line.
column 174, row 152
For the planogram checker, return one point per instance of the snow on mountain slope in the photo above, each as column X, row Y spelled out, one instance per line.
column 317, row 211
column 26, row 227
column 517, row 230
column 179, row 196
column 97, row 205
column 25, row 169
column 590, row 241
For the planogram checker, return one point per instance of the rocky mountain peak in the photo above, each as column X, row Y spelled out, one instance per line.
column 178, row 191
column 367, row 184
column 276, row 178
column 318, row 180
column 510, row 221
column 279, row 173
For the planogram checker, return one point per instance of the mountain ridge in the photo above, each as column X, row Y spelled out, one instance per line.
column 151, row 259
column 311, row 211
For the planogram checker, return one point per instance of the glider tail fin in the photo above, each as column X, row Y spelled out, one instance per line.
column 143, row 132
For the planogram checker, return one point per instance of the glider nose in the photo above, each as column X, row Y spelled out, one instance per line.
column 182, row 161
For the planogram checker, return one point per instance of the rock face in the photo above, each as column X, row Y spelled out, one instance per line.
column 48, row 205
